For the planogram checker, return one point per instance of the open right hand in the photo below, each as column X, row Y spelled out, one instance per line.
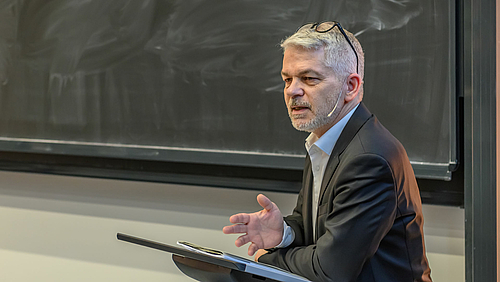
column 263, row 229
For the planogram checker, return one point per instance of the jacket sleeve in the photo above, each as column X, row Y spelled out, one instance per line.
column 364, row 209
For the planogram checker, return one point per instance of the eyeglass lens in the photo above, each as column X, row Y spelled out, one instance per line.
column 325, row 26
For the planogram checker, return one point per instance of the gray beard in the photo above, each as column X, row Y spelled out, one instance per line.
column 321, row 118
column 311, row 125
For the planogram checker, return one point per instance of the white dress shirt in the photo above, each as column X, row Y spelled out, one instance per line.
column 319, row 150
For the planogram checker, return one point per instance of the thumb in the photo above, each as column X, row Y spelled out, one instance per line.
column 265, row 202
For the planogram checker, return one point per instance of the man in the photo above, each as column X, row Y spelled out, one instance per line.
column 358, row 215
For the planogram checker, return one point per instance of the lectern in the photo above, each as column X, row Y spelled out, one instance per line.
column 205, row 266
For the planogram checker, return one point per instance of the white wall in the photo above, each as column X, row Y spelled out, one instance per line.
column 60, row 228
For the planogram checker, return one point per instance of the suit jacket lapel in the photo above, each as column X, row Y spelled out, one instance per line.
column 360, row 116
column 307, row 201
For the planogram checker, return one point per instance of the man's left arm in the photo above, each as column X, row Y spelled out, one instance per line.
column 364, row 209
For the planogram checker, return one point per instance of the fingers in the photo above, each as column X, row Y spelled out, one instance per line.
column 265, row 202
column 236, row 228
column 228, row 229
column 259, row 253
column 252, row 249
column 241, row 218
column 242, row 240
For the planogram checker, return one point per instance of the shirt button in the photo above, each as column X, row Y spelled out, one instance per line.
column 316, row 168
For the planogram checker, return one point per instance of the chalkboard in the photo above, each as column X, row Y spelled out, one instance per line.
column 198, row 81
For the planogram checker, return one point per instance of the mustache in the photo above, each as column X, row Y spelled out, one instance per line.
column 297, row 103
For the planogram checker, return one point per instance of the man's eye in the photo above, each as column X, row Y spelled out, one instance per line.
column 310, row 79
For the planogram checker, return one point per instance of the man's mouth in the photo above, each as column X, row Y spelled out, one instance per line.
column 298, row 109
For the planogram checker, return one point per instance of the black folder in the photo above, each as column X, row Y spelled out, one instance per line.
column 209, row 265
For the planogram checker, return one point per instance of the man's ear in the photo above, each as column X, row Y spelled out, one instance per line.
column 353, row 86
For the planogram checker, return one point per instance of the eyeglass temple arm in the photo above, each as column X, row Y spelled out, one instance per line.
column 352, row 46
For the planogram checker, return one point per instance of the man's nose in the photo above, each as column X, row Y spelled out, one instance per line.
column 294, row 89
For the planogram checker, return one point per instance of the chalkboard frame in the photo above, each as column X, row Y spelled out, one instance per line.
column 190, row 155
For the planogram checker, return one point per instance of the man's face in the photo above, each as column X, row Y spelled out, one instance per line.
column 311, row 90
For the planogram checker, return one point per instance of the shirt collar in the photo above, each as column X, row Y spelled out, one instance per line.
column 328, row 140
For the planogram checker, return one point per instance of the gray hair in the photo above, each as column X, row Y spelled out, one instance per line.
column 338, row 53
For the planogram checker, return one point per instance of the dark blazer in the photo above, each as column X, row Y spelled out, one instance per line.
column 369, row 224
